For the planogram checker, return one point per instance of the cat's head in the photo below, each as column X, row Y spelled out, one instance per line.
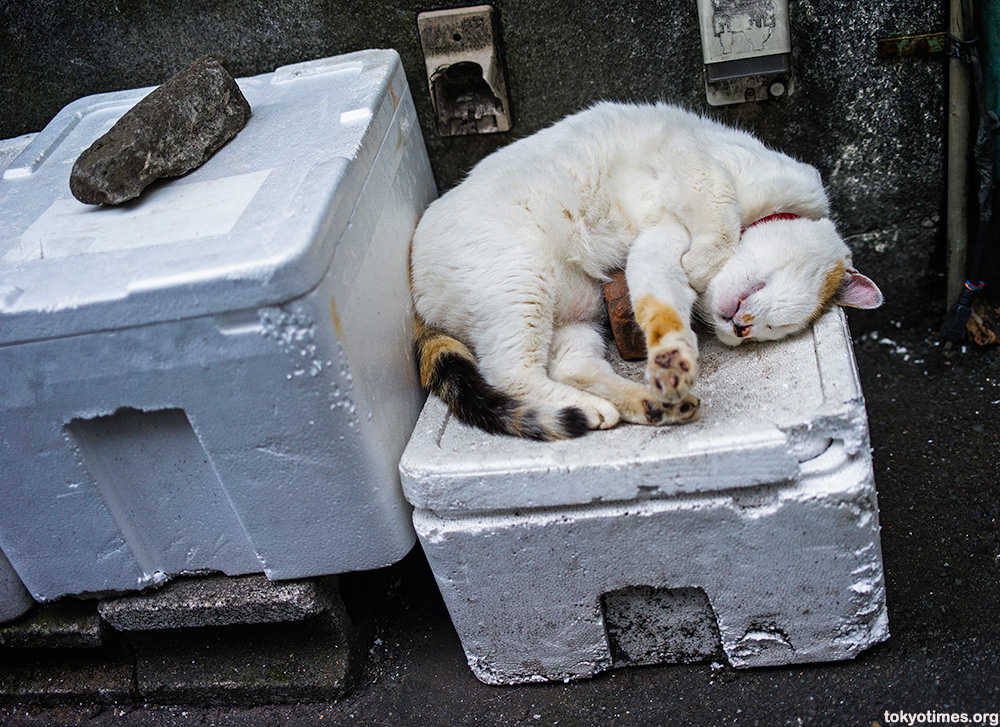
column 782, row 276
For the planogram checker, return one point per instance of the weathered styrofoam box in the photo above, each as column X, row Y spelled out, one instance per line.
column 14, row 597
column 217, row 376
column 750, row 535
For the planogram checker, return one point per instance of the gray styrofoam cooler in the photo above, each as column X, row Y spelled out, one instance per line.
column 750, row 535
column 216, row 376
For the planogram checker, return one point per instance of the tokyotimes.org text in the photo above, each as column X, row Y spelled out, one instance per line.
column 961, row 719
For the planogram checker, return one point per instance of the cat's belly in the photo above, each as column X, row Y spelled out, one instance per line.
column 579, row 299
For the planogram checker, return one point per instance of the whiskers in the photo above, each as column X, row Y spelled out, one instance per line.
column 701, row 318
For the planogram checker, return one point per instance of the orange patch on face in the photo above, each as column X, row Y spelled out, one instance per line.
column 656, row 319
column 831, row 283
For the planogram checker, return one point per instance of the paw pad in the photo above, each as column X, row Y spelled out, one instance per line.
column 671, row 371
column 681, row 412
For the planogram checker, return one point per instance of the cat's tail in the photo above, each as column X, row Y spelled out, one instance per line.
column 449, row 369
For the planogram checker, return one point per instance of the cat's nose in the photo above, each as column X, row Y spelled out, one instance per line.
column 741, row 331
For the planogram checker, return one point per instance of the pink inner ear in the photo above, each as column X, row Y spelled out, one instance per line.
column 858, row 291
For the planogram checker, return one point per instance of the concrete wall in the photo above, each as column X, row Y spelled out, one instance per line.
column 874, row 128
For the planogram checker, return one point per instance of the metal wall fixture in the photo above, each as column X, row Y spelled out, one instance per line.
column 464, row 70
column 747, row 49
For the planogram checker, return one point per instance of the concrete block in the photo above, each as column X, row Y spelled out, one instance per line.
column 66, row 623
column 237, row 640
column 751, row 534
column 308, row 660
column 104, row 675
column 221, row 601
column 218, row 376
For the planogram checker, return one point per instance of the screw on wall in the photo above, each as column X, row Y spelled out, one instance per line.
column 464, row 71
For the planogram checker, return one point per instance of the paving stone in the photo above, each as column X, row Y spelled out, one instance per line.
column 237, row 640
column 66, row 623
column 103, row 675
column 244, row 665
column 220, row 600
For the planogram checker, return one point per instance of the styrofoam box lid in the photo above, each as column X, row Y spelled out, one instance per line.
column 767, row 408
column 255, row 225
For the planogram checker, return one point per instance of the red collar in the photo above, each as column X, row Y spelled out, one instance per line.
column 769, row 218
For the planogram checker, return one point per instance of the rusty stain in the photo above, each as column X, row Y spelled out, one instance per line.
column 909, row 45
column 336, row 319
column 395, row 99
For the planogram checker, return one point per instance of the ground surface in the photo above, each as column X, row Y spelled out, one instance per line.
column 935, row 427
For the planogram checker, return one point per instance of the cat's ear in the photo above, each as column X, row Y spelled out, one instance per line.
column 858, row 291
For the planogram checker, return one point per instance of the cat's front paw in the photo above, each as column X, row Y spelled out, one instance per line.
column 671, row 368
column 678, row 412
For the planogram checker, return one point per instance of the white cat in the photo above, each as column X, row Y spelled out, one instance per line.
column 510, row 264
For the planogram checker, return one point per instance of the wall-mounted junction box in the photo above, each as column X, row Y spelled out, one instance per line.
column 464, row 70
column 746, row 45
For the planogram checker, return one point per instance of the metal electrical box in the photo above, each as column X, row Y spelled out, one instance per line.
column 465, row 73
column 747, row 49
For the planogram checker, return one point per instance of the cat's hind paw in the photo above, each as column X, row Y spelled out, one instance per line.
column 601, row 414
column 575, row 416
column 638, row 406
column 671, row 368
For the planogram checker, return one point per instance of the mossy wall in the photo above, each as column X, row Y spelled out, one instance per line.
column 874, row 128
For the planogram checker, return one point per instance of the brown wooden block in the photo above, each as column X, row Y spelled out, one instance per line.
column 628, row 336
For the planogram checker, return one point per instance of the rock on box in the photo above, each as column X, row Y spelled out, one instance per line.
column 219, row 375
column 750, row 536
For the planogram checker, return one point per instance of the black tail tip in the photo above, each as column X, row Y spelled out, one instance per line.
column 569, row 423
column 573, row 422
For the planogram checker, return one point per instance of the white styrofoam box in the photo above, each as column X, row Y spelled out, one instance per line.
column 14, row 597
column 750, row 535
column 219, row 375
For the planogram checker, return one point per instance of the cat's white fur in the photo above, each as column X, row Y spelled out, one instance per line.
column 511, row 260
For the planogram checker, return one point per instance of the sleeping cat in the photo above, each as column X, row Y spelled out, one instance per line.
column 507, row 267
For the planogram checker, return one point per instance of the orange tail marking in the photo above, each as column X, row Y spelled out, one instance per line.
column 656, row 319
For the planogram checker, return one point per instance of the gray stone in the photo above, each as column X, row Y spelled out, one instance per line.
column 171, row 131
column 219, row 600
column 66, row 623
